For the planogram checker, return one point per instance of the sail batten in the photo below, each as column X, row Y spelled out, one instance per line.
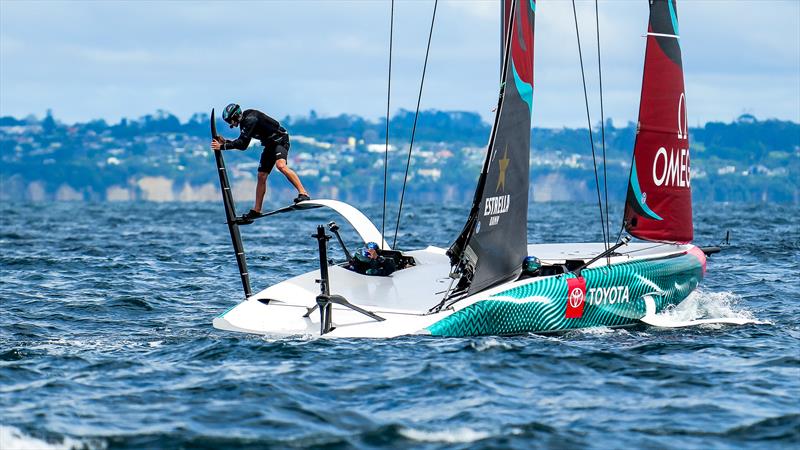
column 493, row 242
column 658, row 206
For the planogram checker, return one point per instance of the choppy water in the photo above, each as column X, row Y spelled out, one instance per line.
column 106, row 342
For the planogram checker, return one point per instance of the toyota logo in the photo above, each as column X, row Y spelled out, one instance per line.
column 576, row 297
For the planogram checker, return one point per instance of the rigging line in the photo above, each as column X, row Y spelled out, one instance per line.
column 602, row 124
column 414, row 127
column 386, row 149
column 630, row 173
column 589, row 120
column 621, row 229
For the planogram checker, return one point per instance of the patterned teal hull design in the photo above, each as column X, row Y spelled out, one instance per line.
column 614, row 297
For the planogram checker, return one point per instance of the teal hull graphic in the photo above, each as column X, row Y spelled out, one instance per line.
column 614, row 297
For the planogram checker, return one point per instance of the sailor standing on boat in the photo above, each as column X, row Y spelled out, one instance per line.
column 274, row 138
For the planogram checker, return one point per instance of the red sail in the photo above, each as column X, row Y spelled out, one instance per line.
column 659, row 201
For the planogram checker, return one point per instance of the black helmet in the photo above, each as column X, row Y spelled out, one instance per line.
column 531, row 264
column 232, row 112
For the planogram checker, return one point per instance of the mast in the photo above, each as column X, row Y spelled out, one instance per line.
column 493, row 242
column 658, row 206
column 230, row 213
column 505, row 17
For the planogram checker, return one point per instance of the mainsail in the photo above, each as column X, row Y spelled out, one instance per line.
column 659, row 201
column 493, row 243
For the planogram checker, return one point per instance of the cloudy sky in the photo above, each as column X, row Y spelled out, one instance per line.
column 114, row 59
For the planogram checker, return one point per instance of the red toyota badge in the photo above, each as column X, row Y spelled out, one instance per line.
column 576, row 297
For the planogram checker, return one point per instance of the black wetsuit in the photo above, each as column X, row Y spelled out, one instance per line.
column 274, row 138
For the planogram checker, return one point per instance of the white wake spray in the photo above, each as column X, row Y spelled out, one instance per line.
column 701, row 308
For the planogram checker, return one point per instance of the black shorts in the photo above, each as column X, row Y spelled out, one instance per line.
column 270, row 155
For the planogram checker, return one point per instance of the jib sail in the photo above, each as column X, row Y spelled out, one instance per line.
column 493, row 243
column 659, row 200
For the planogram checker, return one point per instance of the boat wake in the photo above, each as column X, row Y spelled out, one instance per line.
column 701, row 308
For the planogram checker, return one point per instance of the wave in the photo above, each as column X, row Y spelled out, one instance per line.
column 484, row 344
column 462, row 435
column 780, row 429
column 784, row 428
column 14, row 439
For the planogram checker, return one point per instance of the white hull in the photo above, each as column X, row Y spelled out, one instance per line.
column 404, row 298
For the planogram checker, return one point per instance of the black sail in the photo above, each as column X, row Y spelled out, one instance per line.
column 493, row 243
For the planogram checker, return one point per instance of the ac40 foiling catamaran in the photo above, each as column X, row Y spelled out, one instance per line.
column 478, row 286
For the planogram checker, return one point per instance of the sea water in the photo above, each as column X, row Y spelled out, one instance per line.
column 106, row 342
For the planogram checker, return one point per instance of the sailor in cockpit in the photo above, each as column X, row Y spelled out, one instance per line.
column 368, row 261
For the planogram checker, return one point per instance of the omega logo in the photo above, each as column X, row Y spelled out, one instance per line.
column 683, row 118
column 672, row 168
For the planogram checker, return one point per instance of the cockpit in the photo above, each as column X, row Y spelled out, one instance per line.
column 370, row 259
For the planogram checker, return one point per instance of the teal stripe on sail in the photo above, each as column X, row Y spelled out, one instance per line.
column 525, row 89
column 674, row 17
column 637, row 192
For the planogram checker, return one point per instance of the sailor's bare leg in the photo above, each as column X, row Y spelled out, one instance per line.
column 261, row 189
column 291, row 176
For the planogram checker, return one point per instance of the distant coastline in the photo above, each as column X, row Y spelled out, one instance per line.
column 159, row 158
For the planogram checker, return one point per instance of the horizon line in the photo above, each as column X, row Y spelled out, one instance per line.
column 49, row 112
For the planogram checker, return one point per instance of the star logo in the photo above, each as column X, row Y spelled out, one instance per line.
column 501, row 179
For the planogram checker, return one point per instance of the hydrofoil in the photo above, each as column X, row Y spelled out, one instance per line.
column 242, row 220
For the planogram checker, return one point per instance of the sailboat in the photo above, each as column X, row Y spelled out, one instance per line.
column 478, row 286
